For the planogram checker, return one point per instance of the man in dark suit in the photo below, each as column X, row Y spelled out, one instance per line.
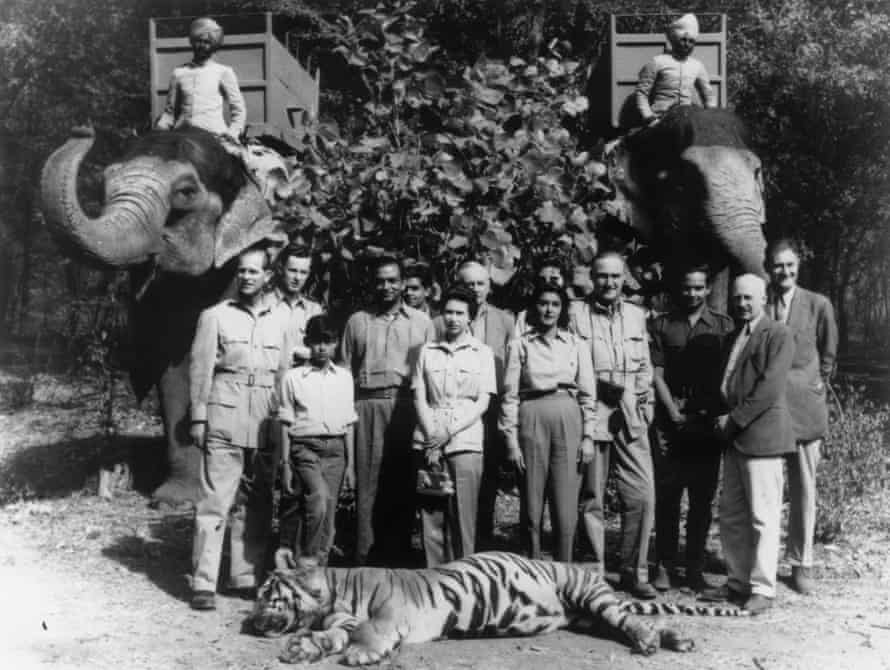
column 495, row 328
column 757, row 429
column 810, row 318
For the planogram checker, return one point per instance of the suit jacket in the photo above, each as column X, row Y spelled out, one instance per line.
column 811, row 320
column 755, row 392
column 499, row 327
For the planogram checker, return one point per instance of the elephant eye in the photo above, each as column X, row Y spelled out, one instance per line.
column 185, row 194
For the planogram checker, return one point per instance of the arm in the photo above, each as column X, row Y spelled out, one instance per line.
column 770, row 385
column 662, row 392
column 705, row 91
column 826, row 339
column 425, row 418
column 228, row 83
column 586, row 381
column 645, row 82
column 347, row 347
column 509, row 417
column 201, row 363
column 168, row 117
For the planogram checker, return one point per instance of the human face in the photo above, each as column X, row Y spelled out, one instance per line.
column 252, row 274
column 551, row 275
column 294, row 274
column 388, row 284
column 549, row 307
column 694, row 290
column 608, row 279
column 202, row 46
column 682, row 44
column 783, row 271
column 456, row 316
column 322, row 352
column 476, row 278
column 748, row 298
column 415, row 293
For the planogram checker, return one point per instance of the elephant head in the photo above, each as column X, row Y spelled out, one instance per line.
column 691, row 186
column 178, row 200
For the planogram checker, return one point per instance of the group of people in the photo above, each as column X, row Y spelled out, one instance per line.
column 417, row 408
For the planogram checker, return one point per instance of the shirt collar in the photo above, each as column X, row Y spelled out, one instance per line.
column 608, row 310
column 307, row 369
column 261, row 309
column 751, row 326
column 467, row 341
column 401, row 308
column 561, row 334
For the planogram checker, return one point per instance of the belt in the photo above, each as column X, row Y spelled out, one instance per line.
column 263, row 379
column 385, row 392
column 533, row 394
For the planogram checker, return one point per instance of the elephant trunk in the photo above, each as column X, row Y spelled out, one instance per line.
column 733, row 205
column 128, row 230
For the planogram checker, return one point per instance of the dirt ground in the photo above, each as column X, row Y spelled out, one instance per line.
column 89, row 583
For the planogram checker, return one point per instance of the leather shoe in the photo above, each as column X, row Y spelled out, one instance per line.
column 800, row 580
column 697, row 582
column 722, row 594
column 662, row 581
column 203, row 600
column 757, row 604
column 637, row 589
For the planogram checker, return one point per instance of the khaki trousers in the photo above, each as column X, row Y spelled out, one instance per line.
column 550, row 436
column 636, row 491
column 239, row 481
column 750, row 519
column 449, row 523
column 802, row 466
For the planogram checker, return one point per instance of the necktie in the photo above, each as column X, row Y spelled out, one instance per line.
column 781, row 310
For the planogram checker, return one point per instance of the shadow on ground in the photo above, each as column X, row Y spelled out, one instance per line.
column 58, row 469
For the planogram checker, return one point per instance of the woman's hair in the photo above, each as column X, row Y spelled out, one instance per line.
column 321, row 328
column 463, row 294
column 531, row 314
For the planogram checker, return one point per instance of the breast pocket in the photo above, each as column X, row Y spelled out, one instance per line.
column 468, row 373
column 636, row 350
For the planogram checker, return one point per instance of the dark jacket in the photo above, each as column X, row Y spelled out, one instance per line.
column 811, row 321
column 756, row 391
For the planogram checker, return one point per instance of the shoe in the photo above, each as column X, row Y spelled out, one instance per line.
column 637, row 589
column 203, row 600
column 722, row 594
column 697, row 582
column 800, row 580
column 757, row 604
column 662, row 581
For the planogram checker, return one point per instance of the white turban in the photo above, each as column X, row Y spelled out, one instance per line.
column 685, row 25
column 206, row 26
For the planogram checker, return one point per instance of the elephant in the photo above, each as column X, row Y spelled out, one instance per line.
column 691, row 187
column 178, row 209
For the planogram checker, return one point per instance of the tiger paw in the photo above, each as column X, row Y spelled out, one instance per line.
column 671, row 639
column 644, row 639
column 357, row 654
column 302, row 649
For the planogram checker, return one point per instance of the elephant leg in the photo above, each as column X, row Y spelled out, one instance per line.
column 184, row 459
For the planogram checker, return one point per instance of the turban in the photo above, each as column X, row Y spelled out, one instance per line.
column 685, row 25
column 206, row 26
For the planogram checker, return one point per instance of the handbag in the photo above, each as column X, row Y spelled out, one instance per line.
column 434, row 482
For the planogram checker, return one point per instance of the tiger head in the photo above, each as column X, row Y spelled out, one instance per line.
column 290, row 600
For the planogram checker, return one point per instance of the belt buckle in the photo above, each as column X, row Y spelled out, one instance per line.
column 251, row 378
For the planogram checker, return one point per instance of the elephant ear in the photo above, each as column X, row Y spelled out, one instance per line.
column 247, row 222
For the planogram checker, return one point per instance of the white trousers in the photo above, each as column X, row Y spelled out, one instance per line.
column 750, row 519
column 802, row 493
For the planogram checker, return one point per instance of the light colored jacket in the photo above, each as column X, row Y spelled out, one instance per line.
column 237, row 359
column 619, row 343
column 196, row 96
column 665, row 82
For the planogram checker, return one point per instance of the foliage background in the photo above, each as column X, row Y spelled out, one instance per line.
column 460, row 134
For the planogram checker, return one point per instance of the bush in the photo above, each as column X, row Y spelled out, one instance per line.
column 855, row 461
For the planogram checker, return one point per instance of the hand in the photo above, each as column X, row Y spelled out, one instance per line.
column 349, row 478
column 587, row 452
column 725, row 426
column 514, row 457
column 677, row 417
column 284, row 559
column 433, row 457
column 438, row 439
column 198, row 433
column 287, row 479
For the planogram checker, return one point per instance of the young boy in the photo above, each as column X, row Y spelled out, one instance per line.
column 198, row 89
column 317, row 413
column 669, row 79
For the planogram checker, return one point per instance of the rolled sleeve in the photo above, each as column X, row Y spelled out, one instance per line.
column 285, row 404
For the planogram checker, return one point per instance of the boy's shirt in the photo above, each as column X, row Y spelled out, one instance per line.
column 317, row 401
